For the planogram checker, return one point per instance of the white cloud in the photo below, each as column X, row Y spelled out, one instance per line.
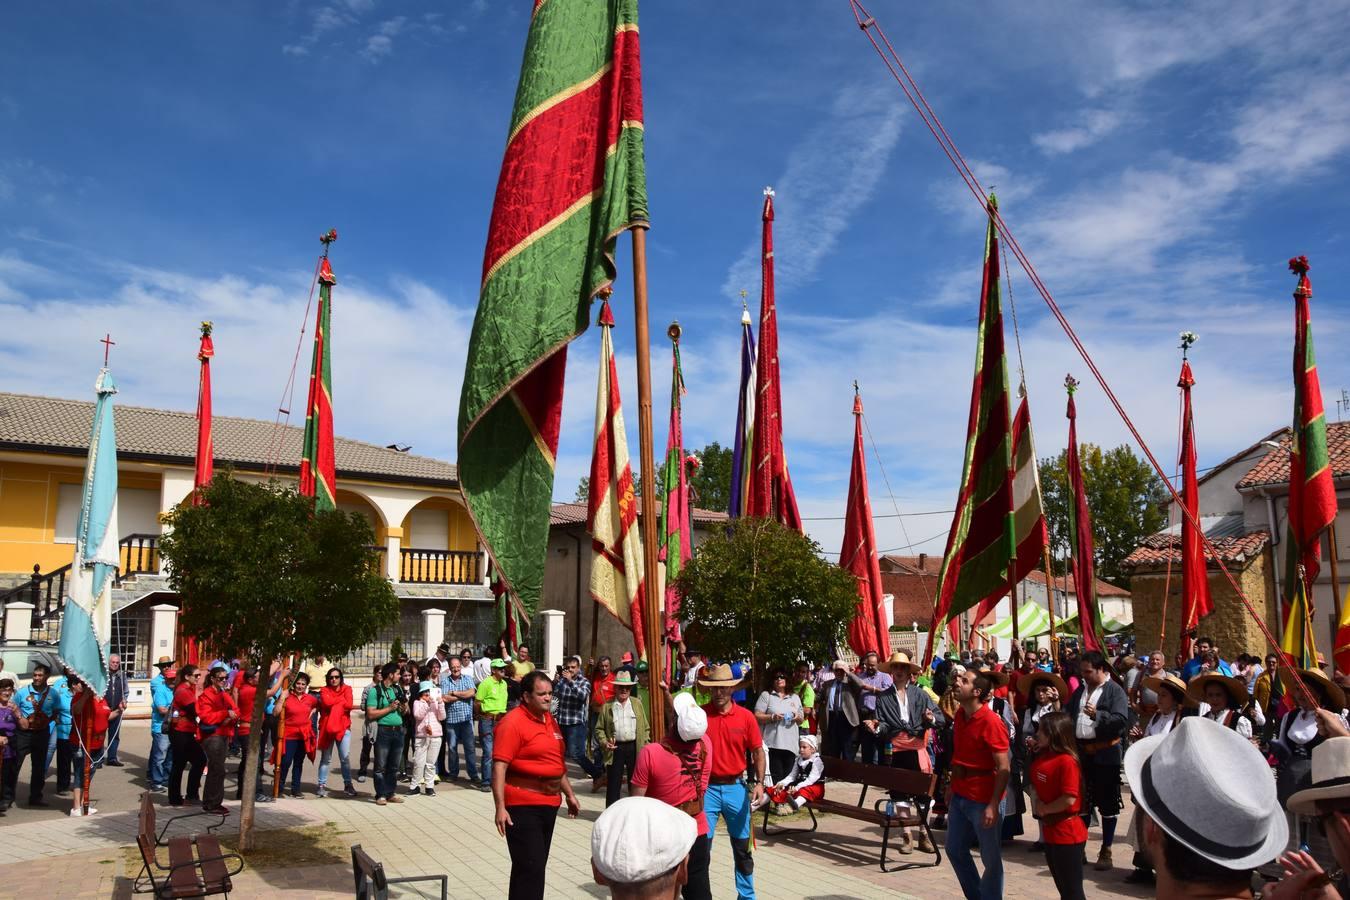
column 1093, row 125
column 830, row 174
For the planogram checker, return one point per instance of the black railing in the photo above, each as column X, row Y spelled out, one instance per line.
column 137, row 554
column 417, row 566
column 47, row 593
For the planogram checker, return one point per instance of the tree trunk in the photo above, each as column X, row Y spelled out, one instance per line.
column 250, row 774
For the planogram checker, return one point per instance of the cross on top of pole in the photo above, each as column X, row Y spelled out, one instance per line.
column 108, row 343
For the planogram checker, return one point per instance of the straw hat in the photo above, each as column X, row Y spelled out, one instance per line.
column 1237, row 824
column 1027, row 683
column 1335, row 693
column 1000, row 679
column 624, row 679
column 164, row 662
column 901, row 659
column 1156, row 683
column 717, row 676
column 1330, row 762
column 1236, row 687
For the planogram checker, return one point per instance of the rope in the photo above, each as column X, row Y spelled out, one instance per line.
column 288, row 392
column 911, row 89
column 928, row 595
column 1167, row 581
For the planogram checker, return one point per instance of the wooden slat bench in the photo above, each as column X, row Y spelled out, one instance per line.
column 907, row 785
column 373, row 884
column 197, row 867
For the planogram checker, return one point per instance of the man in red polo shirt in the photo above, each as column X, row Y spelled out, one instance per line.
column 528, row 774
column 733, row 732
column 979, row 776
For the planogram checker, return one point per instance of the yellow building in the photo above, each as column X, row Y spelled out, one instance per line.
column 413, row 503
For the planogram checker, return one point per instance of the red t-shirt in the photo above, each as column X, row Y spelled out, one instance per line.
column 184, row 709
column 531, row 747
column 300, row 716
column 732, row 734
column 1053, row 776
column 602, row 689
column 213, row 707
column 974, row 744
column 247, row 693
column 662, row 774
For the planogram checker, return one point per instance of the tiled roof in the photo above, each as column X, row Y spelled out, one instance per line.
column 51, row 425
column 925, row 563
column 565, row 514
column 913, row 597
column 1274, row 466
column 1158, row 548
column 1104, row 589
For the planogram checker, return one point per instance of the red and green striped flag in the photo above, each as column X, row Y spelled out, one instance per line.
column 982, row 544
column 1080, row 533
column 572, row 178
column 1312, row 495
column 677, row 542
column 318, row 476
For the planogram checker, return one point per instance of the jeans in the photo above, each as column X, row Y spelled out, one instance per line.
column 186, row 753
column 963, row 832
column 528, row 839
column 485, row 727
column 460, row 734
column 215, row 747
column 575, row 738
column 158, row 769
column 344, row 751
column 732, row 803
column 426, row 747
column 388, row 750
column 115, row 730
column 294, row 761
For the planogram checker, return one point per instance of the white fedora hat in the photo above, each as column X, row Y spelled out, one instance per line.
column 1330, row 776
column 1211, row 790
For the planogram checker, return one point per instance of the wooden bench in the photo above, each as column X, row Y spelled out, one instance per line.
column 373, row 884
column 906, row 785
column 197, row 867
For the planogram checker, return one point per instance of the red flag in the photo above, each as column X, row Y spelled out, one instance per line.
column 1195, row 599
column 1080, row 534
column 205, row 446
column 868, row 630
column 1312, row 495
column 771, row 495
column 318, row 462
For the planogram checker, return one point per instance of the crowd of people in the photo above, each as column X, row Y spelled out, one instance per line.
column 1051, row 739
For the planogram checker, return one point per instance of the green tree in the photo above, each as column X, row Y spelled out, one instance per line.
column 711, row 484
column 1127, row 499
column 262, row 576
column 583, row 490
column 761, row 591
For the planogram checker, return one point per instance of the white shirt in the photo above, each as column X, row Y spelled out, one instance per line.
column 482, row 669
column 1303, row 728
column 625, row 722
column 1242, row 727
column 1086, row 727
column 1160, row 724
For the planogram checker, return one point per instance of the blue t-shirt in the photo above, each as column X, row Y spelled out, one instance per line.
column 738, row 670
column 26, row 698
column 1192, row 669
column 161, row 694
column 61, row 691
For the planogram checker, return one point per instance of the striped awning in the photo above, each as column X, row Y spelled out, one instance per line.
column 1032, row 621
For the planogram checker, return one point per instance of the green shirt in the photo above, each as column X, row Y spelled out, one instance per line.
column 380, row 698
column 491, row 695
column 807, row 694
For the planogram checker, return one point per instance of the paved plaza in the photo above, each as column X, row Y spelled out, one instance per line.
column 46, row 854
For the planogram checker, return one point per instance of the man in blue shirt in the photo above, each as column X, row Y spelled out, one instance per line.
column 59, row 746
column 38, row 704
column 457, row 689
column 161, row 701
column 1204, row 647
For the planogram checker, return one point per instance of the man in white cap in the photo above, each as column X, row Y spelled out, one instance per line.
column 676, row 770
column 640, row 849
column 1212, row 814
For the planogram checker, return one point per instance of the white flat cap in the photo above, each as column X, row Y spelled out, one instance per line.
column 639, row 838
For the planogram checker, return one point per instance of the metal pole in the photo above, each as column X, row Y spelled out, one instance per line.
column 653, row 625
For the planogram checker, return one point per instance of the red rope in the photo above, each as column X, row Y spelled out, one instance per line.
column 288, row 392
column 869, row 26
column 1167, row 581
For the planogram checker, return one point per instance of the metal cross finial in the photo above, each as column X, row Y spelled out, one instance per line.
column 855, row 386
column 769, row 192
column 108, row 343
column 1187, row 339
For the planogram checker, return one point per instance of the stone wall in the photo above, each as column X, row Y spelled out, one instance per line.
column 1229, row 625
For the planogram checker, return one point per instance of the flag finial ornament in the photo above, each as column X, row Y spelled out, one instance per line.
column 1070, row 384
column 207, row 328
column 745, row 310
column 1299, row 265
column 674, row 332
column 606, row 319
column 769, row 192
column 108, row 343
column 327, row 239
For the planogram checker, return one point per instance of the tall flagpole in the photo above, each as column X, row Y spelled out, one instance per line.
column 1335, row 592
column 652, row 619
column 1050, row 604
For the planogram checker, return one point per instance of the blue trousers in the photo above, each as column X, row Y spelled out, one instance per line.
column 292, row 760
column 344, row 750
column 460, row 734
column 158, row 769
column 732, row 803
column 485, row 727
column 574, row 737
column 963, row 832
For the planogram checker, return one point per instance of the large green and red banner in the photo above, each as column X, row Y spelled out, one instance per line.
column 318, row 463
column 572, row 178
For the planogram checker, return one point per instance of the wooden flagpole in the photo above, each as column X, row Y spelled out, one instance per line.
column 87, row 720
column 1050, row 605
column 1335, row 593
column 652, row 619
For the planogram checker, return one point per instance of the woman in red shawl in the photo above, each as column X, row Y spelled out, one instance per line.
column 87, row 732
column 301, row 707
column 335, row 730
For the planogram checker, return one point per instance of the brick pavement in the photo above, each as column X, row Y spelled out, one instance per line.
column 44, row 853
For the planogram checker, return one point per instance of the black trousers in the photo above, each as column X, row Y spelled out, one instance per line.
column 215, row 748
column 187, row 754
column 620, row 770
column 528, row 839
column 65, row 755
column 239, row 775
column 367, row 748
column 9, row 781
column 871, row 745
column 33, row 745
column 838, row 737
column 780, row 764
column 1066, row 867
column 698, row 887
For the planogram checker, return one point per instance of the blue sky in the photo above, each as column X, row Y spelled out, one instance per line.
column 165, row 163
